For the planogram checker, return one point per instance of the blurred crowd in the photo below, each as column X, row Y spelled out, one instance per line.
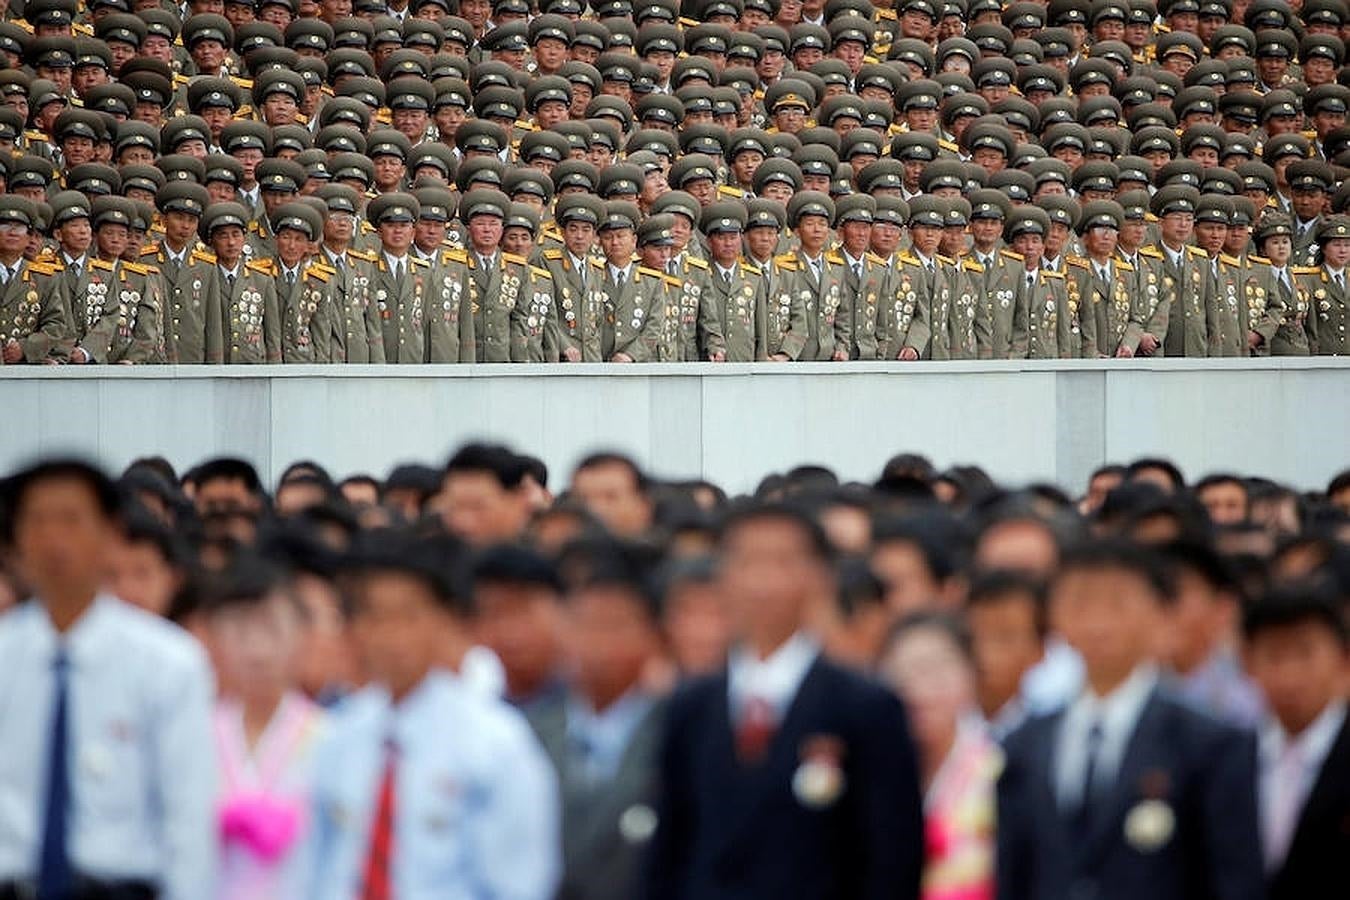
column 475, row 681
column 457, row 181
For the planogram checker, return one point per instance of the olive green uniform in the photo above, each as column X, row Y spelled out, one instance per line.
column 34, row 311
column 249, row 313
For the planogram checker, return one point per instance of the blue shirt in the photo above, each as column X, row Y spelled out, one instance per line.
column 141, row 758
column 600, row 739
column 476, row 801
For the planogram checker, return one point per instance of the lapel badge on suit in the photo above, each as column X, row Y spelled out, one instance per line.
column 819, row 779
column 637, row 823
column 1150, row 823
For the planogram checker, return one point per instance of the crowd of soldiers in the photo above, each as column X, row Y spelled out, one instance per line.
column 442, row 181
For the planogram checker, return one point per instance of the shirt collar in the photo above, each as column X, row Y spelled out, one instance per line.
column 82, row 636
column 774, row 679
column 390, row 259
column 728, row 271
column 614, row 270
column 1314, row 742
column 850, row 258
column 72, row 261
column 1119, row 710
column 231, row 273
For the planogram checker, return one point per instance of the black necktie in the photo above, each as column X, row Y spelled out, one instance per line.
column 54, row 866
column 1087, row 803
column 229, row 283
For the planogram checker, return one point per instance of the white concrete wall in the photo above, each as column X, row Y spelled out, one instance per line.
column 1285, row 418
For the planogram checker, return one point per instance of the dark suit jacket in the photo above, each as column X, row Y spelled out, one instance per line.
column 1204, row 771
column 729, row 830
column 602, row 846
column 1319, row 854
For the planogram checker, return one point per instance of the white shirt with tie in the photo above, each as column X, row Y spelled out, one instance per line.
column 1337, row 277
column 1116, row 714
column 1290, row 765
column 398, row 265
column 620, row 275
column 142, row 761
column 476, row 800
column 775, row 679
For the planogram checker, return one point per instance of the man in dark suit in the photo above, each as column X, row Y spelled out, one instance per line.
column 604, row 733
column 1298, row 651
column 784, row 775
column 1127, row 792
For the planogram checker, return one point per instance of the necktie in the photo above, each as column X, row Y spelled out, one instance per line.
column 857, row 270
column 1031, row 282
column 54, row 867
column 1284, row 808
column 670, row 267
column 1340, row 281
column 619, row 279
column 229, row 283
column 726, row 276
column 376, row 880
column 1087, row 802
column 397, row 269
column 815, row 269
column 755, row 730
column 340, row 264
column 290, row 279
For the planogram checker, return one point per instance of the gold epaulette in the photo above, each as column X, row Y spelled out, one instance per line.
column 152, row 250
column 1150, row 252
column 971, row 265
column 45, row 267
column 1230, row 260
column 727, row 190
column 1305, row 270
column 945, row 260
column 786, row 261
column 1259, row 260
column 1196, row 252
column 245, row 83
column 181, row 79
column 671, row 280
column 205, row 256
column 696, row 262
column 689, row 23
column 834, row 257
column 541, row 273
column 1051, row 273
column 950, row 146
column 265, row 266
column 1012, row 254
column 23, row 23
column 138, row 269
column 1123, row 266
column 875, row 258
column 362, row 255
column 909, row 260
column 82, row 29
column 323, row 267
column 420, row 262
column 887, row 14
column 653, row 273
column 1077, row 262
column 513, row 259
column 100, row 265
column 455, row 256
column 313, row 270
column 598, row 264
column 750, row 267
column 553, row 253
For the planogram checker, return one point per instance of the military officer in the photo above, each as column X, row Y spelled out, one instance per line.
column 407, row 291
column 1325, row 290
column 992, row 271
column 357, row 335
column 116, row 317
column 1110, row 315
column 304, row 297
column 244, row 292
column 931, row 275
column 633, row 297
column 785, row 324
column 733, row 315
column 1225, row 281
column 74, row 237
column 1043, row 324
column 865, row 275
column 575, row 328
column 818, row 278
column 1184, row 278
column 1146, row 270
column 33, row 305
column 180, row 205
column 1274, row 237
column 500, row 285
column 680, row 340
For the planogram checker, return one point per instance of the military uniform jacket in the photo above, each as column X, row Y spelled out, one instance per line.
column 1045, row 326
column 965, row 277
column 306, row 313
column 689, row 315
column 509, row 307
column 785, row 325
column 864, row 293
column 1146, row 285
column 829, row 318
column 34, row 311
column 250, row 316
column 1305, row 242
column 194, row 331
column 1109, row 314
column 632, row 320
column 1227, row 295
column 996, row 294
column 578, row 307
column 902, row 317
column 402, row 306
column 1327, row 312
column 737, row 322
column 117, row 314
column 1261, row 309
column 157, row 255
column 1291, row 333
column 1186, row 293
column 355, row 335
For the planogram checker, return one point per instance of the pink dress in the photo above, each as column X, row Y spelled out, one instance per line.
column 959, row 814
column 264, row 798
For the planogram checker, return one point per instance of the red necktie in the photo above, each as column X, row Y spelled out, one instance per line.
column 375, row 881
column 755, row 730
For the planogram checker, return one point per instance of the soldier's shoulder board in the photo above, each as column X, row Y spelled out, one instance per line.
column 362, row 256
column 45, row 267
column 945, row 260
column 670, row 280
column 598, row 264
column 454, row 256
column 138, row 269
column 1077, row 262
column 750, row 267
column 786, row 261
column 910, row 260
column 1013, row 255
column 875, row 258
column 727, row 190
column 314, row 270
column 1259, row 260
column 204, row 256
column 1196, row 253
column 887, row 14
column 1051, row 273
column 541, row 273
column 696, row 262
column 1305, row 270
column 513, row 259
column 834, row 257
column 651, row 273
column 101, row 265
column 1124, row 266
column 949, row 146
column 1230, row 260
column 265, row 266
column 971, row 265
column 420, row 263
column 553, row 253
column 1150, row 252
column 152, row 250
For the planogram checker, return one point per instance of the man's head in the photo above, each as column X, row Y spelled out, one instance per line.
column 483, row 495
column 226, row 484
column 1005, row 612
column 613, row 489
column 516, row 594
column 1204, row 608
column 146, row 566
column 1224, row 497
column 1297, row 649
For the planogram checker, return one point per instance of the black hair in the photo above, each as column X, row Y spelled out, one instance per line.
column 247, row 580
column 1156, row 462
column 412, row 477
column 1340, row 482
column 1296, row 604
column 946, row 624
column 536, row 469
column 1124, row 500
column 1201, row 558
column 1119, row 555
column 304, row 470
column 606, row 562
column 297, row 545
column 908, row 465
column 140, row 526
column 752, row 513
column 157, row 465
column 231, row 469
column 997, row 585
column 15, row 489
column 362, row 478
column 514, row 564
column 610, row 458
column 859, row 587
column 674, row 574
column 1108, row 469
column 303, row 478
column 506, row 467
column 805, row 479
column 1219, row 478
column 935, row 535
column 437, row 561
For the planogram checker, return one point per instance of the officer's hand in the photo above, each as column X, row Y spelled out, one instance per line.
column 1147, row 344
column 717, row 356
column 909, row 354
column 1254, row 340
column 1124, row 353
column 79, row 356
column 51, row 361
column 13, row 352
column 780, row 357
column 125, row 362
column 840, row 356
column 621, row 358
column 572, row 354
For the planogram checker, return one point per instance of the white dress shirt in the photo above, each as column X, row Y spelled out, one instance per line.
column 476, row 799
column 1117, row 714
column 397, row 263
column 1289, row 769
column 775, row 679
column 142, row 762
column 614, row 272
